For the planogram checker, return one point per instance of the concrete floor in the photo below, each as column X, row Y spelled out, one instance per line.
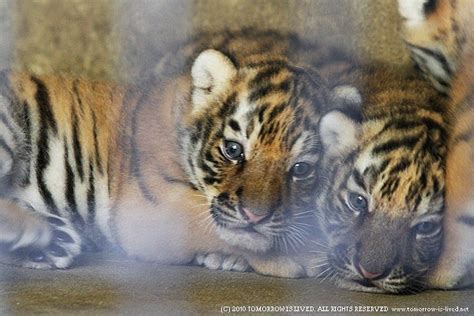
column 110, row 285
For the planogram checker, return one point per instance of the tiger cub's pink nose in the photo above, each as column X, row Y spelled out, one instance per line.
column 253, row 218
column 368, row 275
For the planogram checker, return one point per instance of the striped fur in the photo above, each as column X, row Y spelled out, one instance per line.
column 396, row 168
column 145, row 166
column 60, row 158
column 445, row 34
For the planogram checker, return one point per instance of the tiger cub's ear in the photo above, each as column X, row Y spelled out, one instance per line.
column 345, row 96
column 212, row 73
column 415, row 12
column 339, row 131
column 340, row 128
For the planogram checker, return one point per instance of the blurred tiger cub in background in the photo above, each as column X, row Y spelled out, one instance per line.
column 440, row 36
column 212, row 158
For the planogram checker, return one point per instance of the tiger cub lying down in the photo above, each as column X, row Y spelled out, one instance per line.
column 382, row 207
column 212, row 160
column 440, row 37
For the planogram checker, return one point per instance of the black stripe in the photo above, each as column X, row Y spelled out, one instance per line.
column 391, row 145
column 274, row 62
column 400, row 124
column 353, row 112
column 267, row 89
column 27, row 133
column 399, row 108
column 5, row 86
column 78, row 95
column 402, row 165
column 91, row 193
column 265, row 75
column 358, row 179
column 211, row 180
column 170, row 179
column 435, row 184
column 70, row 187
column 250, row 128
column 43, row 159
column 44, row 103
column 76, row 144
column 261, row 112
column 430, row 6
column 382, row 166
column 432, row 124
column 436, row 55
column 389, row 186
column 234, row 125
column 7, row 148
column 206, row 168
column 9, row 125
column 466, row 219
column 276, row 111
column 417, row 203
column 229, row 106
column 98, row 159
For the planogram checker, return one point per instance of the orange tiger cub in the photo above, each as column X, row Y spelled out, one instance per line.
column 440, row 37
column 210, row 161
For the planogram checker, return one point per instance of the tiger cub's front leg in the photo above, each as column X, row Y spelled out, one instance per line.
column 36, row 240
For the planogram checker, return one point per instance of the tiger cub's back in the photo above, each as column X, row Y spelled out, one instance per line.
column 332, row 63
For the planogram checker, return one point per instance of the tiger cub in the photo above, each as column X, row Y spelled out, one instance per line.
column 212, row 160
column 382, row 206
column 440, row 37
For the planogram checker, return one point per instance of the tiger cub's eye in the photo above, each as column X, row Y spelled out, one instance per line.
column 357, row 202
column 301, row 170
column 426, row 228
column 233, row 151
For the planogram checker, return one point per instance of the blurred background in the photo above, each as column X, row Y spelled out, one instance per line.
column 116, row 39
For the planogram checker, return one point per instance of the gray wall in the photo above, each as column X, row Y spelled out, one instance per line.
column 112, row 39
column 6, row 33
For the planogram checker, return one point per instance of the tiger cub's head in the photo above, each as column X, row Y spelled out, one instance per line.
column 250, row 146
column 381, row 197
column 439, row 36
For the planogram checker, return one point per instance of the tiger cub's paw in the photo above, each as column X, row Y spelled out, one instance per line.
column 220, row 261
column 59, row 253
column 278, row 266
